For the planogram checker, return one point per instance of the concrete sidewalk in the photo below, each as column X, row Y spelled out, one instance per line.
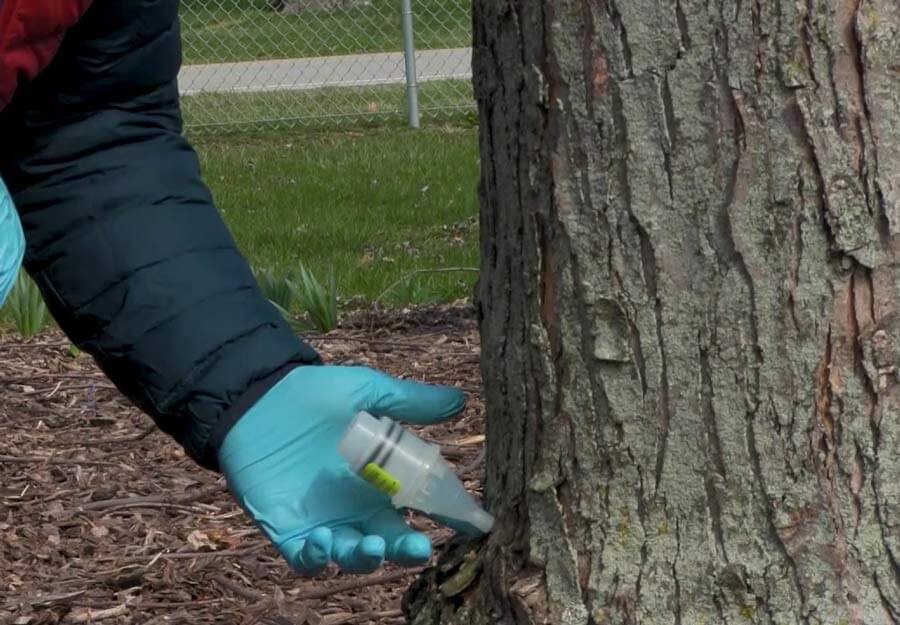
column 316, row 73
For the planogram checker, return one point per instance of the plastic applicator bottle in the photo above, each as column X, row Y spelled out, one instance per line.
column 411, row 472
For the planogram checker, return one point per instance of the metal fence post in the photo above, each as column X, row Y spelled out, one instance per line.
column 409, row 54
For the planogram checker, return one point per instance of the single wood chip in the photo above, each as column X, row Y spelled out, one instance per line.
column 87, row 615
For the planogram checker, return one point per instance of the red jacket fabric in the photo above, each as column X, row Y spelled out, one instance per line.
column 30, row 34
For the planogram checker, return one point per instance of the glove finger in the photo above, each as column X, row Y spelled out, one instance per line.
column 356, row 553
column 405, row 546
column 309, row 556
column 414, row 402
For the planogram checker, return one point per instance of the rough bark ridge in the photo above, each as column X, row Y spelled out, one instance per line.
column 691, row 314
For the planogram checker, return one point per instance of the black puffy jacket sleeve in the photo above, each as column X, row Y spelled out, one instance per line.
column 123, row 238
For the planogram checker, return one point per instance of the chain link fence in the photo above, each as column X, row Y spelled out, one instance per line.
column 286, row 63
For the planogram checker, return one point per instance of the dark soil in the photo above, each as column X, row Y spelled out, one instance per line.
column 104, row 519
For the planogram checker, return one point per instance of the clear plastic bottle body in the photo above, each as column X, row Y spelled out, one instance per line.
column 412, row 472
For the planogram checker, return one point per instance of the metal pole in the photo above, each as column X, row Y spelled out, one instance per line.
column 409, row 54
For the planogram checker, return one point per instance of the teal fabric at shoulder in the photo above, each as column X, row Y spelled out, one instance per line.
column 12, row 243
column 123, row 238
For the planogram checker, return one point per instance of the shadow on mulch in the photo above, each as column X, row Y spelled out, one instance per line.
column 104, row 518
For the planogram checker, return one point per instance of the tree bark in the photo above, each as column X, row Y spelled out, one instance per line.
column 690, row 313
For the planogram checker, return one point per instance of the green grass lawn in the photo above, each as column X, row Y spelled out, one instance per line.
column 371, row 205
column 243, row 30
column 325, row 108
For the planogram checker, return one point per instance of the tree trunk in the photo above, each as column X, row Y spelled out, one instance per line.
column 690, row 309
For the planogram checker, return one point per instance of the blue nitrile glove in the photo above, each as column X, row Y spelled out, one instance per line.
column 12, row 243
column 282, row 464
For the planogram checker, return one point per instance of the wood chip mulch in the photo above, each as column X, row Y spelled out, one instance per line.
column 103, row 519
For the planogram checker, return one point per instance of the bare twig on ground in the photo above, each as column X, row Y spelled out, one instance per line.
column 77, row 387
column 346, row 619
column 51, row 375
column 57, row 461
column 162, row 505
column 129, row 502
column 237, row 589
column 127, row 439
column 48, row 345
column 46, row 601
column 159, row 619
column 364, row 582
column 140, row 604
column 388, row 343
column 14, row 502
column 168, row 605
column 187, row 555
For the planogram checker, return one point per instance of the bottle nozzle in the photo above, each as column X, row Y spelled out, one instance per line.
column 473, row 522
column 482, row 521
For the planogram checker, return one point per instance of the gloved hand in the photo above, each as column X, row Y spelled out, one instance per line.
column 282, row 464
column 12, row 243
